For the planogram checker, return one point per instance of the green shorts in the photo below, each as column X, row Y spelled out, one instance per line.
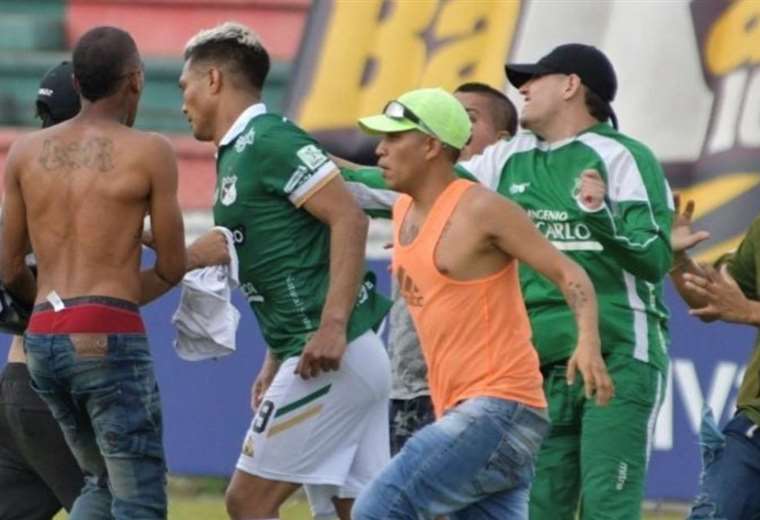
column 593, row 462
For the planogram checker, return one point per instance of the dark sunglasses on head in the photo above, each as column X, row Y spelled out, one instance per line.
column 395, row 110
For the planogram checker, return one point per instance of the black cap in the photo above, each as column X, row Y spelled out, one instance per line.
column 589, row 63
column 57, row 100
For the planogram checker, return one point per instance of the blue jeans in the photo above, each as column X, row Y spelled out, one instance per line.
column 477, row 461
column 731, row 470
column 103, row 392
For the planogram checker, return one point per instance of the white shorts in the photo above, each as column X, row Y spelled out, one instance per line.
column 329, row 433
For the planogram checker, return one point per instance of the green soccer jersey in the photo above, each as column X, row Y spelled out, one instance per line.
column 267, row 168
column 744, row 266
column 624, row 247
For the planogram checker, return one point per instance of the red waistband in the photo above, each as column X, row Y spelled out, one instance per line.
column 86, row 318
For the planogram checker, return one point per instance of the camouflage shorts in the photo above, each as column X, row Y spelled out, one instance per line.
column 406, row 417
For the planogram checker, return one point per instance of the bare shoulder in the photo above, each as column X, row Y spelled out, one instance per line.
column 24, row 144
column 153, row 151
column 480, row 202
column 23, row 148
column 152, row 141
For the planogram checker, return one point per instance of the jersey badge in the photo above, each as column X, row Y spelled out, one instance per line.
column 228, row 192
column 311, row 156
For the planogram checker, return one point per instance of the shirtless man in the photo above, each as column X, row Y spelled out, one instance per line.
column 78, row 192
column 456, row 265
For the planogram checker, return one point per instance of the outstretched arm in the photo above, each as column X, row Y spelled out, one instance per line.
column 521, row 240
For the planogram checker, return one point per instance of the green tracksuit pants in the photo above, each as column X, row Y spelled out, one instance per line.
column 593, row 463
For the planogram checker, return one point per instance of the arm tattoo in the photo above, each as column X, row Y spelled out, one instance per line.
column 576, row 297
column 93, row 154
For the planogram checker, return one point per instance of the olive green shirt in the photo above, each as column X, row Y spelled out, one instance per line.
column 744, row 266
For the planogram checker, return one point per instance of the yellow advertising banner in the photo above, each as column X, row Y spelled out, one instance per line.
column 357, row 55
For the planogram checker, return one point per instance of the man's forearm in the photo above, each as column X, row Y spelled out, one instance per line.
column 581, row 298
column 345, row 163
column 348, row 238
column 153, row 285
column 271, row 364
column 752, row 316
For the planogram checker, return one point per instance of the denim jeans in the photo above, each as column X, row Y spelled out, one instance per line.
column 731, row 470
column 475, row 462
column 103, row 392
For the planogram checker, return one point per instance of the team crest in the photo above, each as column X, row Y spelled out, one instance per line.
column 245, row 140
column 228, row 192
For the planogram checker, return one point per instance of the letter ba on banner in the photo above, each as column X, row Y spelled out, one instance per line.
column 356, row 56
column 725, row 181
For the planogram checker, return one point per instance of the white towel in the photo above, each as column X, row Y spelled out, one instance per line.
column 206, row 320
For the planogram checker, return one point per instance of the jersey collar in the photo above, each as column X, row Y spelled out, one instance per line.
column 241, row 122
column 550, row 147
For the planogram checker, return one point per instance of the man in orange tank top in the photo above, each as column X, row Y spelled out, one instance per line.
column 456, row 247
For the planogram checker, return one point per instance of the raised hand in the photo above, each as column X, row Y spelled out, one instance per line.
column 681, row 235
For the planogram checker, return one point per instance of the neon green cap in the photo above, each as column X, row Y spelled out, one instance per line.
column 430, row 110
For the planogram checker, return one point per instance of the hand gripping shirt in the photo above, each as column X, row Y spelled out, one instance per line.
column 624, row 246
column 267, row 168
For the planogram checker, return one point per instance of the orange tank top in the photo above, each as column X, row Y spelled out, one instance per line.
column 475, row 334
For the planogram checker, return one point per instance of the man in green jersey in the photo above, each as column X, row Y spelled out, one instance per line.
column 299, row 235
column 602, row 198
column 727, row 291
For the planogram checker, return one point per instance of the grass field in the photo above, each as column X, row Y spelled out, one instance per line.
column 202, row 499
